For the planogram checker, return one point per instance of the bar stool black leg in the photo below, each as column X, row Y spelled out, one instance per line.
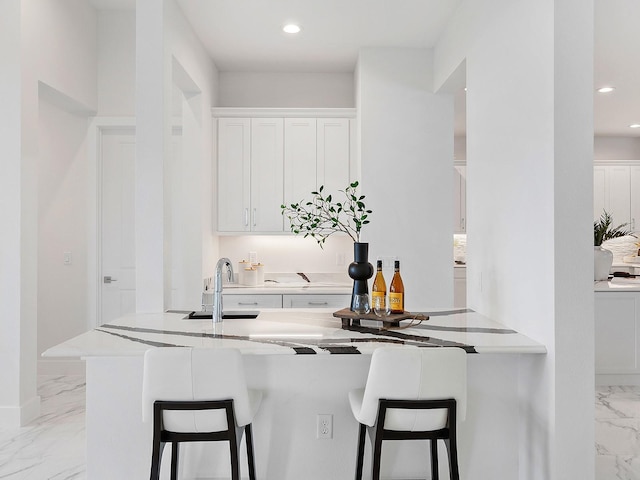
column 360, row 454
column 156, row 456
column 377, row 453
column 174, row 460
column 435, row 475
column 452, row 450
column 249, row 440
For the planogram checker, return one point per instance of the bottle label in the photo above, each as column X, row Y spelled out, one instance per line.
column 379, row 300
column 396, row 302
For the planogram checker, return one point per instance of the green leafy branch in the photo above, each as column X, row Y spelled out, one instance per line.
column 602, row 230
column 322, row 216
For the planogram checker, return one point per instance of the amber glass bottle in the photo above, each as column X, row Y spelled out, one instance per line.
column 379, row 289
column 396, row 290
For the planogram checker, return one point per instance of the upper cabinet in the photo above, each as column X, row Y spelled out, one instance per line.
column 616, row 189
column 271, row 156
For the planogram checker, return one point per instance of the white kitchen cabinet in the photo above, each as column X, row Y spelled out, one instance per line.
column 316, row 301
column 334, row 145
column 234, row 174
column 277, row 300
column 612, row 187
column 240, row 302
column 635, row 198
column 317, row 152
column 267, row 167
column 250, row 174
column 617, row 338
column 460, row 199
column 266, row 161
column 460, row 287
column 300, row 158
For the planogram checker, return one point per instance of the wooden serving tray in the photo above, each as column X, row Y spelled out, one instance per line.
column 392, row 320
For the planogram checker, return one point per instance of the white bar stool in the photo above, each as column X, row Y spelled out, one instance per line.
column 412, row 394
column 197, row 395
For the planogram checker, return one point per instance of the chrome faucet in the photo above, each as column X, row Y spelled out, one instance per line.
column 217, row 287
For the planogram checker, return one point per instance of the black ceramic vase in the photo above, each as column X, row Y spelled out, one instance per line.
column 360, row 270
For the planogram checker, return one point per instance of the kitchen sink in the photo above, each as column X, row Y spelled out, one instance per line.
column 227, row 314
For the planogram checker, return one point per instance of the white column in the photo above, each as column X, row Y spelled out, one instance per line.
column 406, row 152
column 18, row 216
column 573, row 274
column 529, row 71
column 152, row 138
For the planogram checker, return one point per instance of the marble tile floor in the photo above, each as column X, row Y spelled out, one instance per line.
column 53, row 446
column 617, row 433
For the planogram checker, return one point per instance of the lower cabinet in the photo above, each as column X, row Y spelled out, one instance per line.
column 459, row 287
column 617, row 338
column 251, row 302
column 316, row 301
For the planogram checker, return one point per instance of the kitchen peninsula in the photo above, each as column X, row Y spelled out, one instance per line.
column 305, row 364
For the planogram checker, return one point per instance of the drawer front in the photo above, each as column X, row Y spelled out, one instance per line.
column 316, row 301
column 250, row 302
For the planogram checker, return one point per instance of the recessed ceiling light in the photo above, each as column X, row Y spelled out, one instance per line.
column 606, row 90
column 634, row 125
column 291, row 28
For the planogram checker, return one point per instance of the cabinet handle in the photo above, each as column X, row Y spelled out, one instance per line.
column 247, row 303
column 462, row 224
column 246, row 217
column 254, row 217
column 317, row 303
column 633, row 224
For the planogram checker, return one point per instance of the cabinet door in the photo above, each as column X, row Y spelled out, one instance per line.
column 316, row 301
column 333, row 154
column 617, row 342
column 240, row 302
column 460, row 199
column 299, row 160
column 600, row 191
column 267, row 164
column 635, row 198
column 234, row 160
column 619, row 194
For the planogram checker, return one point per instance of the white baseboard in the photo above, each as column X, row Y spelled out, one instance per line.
column 61, row 366
column 19, row 416
column 617, row 379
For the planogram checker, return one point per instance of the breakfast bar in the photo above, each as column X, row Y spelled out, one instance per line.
column 305, row 361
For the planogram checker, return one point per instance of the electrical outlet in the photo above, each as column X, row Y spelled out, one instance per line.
column 66, row 258
column 253, row 258
column 339, row 259
column 324, row 426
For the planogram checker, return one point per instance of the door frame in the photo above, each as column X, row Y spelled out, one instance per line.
column 98, row 127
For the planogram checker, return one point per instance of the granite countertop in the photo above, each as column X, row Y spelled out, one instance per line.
column 294, row 331
column 618, row 284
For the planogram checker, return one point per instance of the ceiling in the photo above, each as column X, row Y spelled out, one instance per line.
column 246, row 35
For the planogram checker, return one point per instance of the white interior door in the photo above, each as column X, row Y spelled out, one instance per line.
column 117, row 248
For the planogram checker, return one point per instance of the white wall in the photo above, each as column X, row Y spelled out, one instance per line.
column 17, row 320
column 616, row 148
column 604, row 148
column 56, row 47
column 64, row 42
column 116, row 62
column 406, row 151
column 62, row 224
column 196, row 77
column 313, row 90
column 529, row 195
